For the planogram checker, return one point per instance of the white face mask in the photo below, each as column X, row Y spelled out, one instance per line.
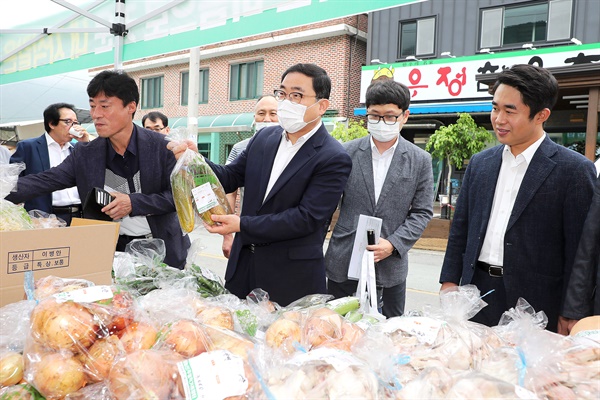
column 383, row 132
column 260, row 125
column 291, row 116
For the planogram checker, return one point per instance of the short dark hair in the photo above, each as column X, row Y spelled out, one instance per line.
column 320, row 79
column 52, row 114
column 388, row 91
column 115, row 83
column 538, row 87
column 155, row 116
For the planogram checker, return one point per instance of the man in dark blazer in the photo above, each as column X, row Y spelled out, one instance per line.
column 391, row 179
column 41, row 153
column 131, row 160
column 521, row 207
column 583, row 293
column 297, row 176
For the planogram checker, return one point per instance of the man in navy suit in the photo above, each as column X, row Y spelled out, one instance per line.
column 521, row 207
column 131, row 162
column 296, row 175
column 41, row 153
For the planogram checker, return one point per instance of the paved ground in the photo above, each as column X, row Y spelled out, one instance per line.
column 425, row 261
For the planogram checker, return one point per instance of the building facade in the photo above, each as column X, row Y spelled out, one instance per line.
column 234, row 74
column 448, row 52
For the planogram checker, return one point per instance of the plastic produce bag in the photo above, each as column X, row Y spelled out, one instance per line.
column 43, row 220
column 12, row 217
column 196, row 190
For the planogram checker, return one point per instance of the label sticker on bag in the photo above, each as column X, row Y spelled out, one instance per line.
column 204, row 197
column 213, row 375
column 85, row 295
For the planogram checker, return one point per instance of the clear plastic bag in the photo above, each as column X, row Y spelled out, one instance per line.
column 197, row 191
column 43, row 220
column 12, row 216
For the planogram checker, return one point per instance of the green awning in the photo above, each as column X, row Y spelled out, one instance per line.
column 242, row 122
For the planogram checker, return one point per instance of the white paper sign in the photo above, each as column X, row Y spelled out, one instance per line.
column 204, row 197
column 213, row 375
column 365, row 223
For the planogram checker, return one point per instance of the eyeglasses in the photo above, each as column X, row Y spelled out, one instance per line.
column 155, row 128
column 294, row 97
column 387, row 119
column 69, row 122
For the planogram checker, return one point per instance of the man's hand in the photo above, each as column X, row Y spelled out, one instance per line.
column 178, row 148
column 119, row 207
column 227, row 243
column 565, row 325
column 226, row 224
column 448, row 285
column 381, row 250
column 85, row 136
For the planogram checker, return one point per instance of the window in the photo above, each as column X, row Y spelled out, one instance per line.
column 246, row 81
column 202, row 91
column 204, row 149
column 531, row 23
column 152, row 92
column 417, row 38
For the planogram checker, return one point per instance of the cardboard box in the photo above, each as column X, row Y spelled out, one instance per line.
column 84, row 250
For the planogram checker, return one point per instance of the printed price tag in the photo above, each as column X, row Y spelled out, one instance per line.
column 423, row 328
column 204, row 197
column 85, row 295
column 338, row 359
column 213, row 375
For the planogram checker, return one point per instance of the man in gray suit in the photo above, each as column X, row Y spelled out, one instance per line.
column 391, row 179
column 521, row 207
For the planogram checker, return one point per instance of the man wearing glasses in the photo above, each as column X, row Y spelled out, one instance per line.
column 157, row 122
column 49, row 150
column 297, row 176
column 391, row 179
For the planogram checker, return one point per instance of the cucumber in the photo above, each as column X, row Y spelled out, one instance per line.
column 343, row 305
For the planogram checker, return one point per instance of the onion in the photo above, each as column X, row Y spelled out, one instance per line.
column 11, row 368
column 322, row 325
column 99, row 358
column 186, row 338
column 224, row 339
column 216, row 316
column 282, row 334
column 138, row 336
column 57, row 375
column 63, row 326
column 144, row 374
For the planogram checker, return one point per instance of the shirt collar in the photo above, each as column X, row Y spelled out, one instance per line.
column 50, row 141
column 529, row 152
column 302, row 139
column 131, row 147
column 376, row 150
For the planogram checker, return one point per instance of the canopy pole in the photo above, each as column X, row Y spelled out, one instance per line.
column 119, row 30
column 193, row 92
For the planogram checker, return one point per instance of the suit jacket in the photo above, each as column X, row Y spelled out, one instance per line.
column 583, row 297
column 34, row 153
column 291, row 222
column 543, row 229
column 405, row 205
column 85, row 168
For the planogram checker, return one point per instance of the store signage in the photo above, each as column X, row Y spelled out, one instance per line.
column 454, row 79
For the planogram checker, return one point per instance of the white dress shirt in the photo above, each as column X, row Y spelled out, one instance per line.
column 57, row 155
column 511, row 175
column 285, row 153
column 381, row 165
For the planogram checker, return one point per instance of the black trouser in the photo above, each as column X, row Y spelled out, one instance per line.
column 393, row 298
column 125, row 239
column 496, row 300
column 66, row 213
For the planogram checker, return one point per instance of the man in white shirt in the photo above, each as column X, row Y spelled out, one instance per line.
column 391, row 179
column 522, row 205
column 49, row 150
column 298, row 174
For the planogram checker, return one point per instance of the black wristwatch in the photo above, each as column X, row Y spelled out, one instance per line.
column 395, row 252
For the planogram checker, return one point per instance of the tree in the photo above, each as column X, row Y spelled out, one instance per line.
column 458, row 142
column 355, row 130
